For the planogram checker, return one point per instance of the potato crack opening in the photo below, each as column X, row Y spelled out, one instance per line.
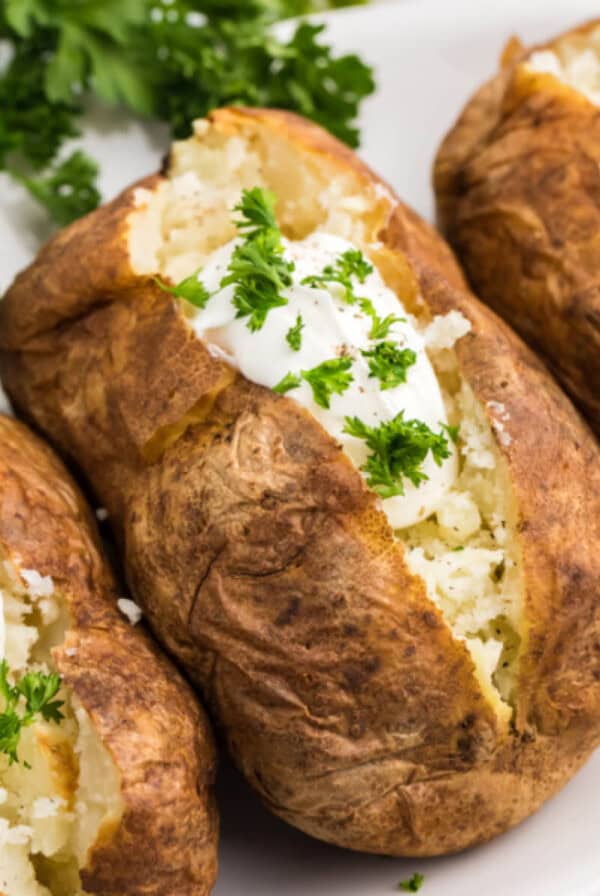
column 65, row 787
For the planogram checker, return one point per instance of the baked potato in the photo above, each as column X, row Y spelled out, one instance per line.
column 381, row 568
column 517, row 181
column 104, row 751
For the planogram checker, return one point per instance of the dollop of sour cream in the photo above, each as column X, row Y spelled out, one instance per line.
column 333, row 328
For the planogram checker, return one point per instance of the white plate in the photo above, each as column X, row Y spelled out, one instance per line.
column 429, row 55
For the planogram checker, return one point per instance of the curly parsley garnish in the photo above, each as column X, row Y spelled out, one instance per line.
column 329, row 378
column 351, row 264
column 413, row 884
column 389, row 363
column 191, row 289
column 380, row 326
column 289, row 381
column 293, row 337
column 30, row 697
column 398, row 449
column 257, row 268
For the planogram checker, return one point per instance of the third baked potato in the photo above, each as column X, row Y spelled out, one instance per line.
column 106, row 781
column 518, row 189
column 352, row 503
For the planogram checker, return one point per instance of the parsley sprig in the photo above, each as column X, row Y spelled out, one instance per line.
column 190, row 288
column 398, row 448
column 329, row 378
column 258, row 269
column 332, row 377
column 293, row 337
column 32, row 696
column 413, row 884
column 350, row 265
column 151, row 58
column 380, row 326
column 389, row 363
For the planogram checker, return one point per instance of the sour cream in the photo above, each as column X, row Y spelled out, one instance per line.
column 333, row 328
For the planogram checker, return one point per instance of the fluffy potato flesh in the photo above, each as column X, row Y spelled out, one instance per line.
column 466, row 552
column 574, row 60
column 65, row 790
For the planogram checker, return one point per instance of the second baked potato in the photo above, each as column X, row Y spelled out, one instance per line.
column 518, row 189
column 352, row 503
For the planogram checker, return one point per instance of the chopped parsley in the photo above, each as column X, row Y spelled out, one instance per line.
column 329, row 378
column 380, row 326
column 36, row 690
column 152, row 58
column 191, row 289
column 398, row 449
column 413, row 884
column 289, row 381
column 459, row 547
column 389, row 363
column 452, row 431
column 293, row 336
column 351, row 264
column 257, row 267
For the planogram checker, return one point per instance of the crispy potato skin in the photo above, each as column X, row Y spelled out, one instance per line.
column 145, row 714
column 264, row 564
column 517, row 182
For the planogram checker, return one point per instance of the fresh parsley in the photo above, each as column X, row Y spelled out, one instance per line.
column 68, row 190
column 191, row 289
column 32, row 696
column 351, row 264
column 171, row 60
column 257, row 267
column 289, row 381
column 452, row 431
column 389, row 363
column 380, row 326
column 398, row 448
column 293, row 337
column 329, row 378
column 413, row 884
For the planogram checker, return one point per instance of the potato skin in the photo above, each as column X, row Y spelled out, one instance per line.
column 517, row 182
column 264, row 564
column 144, row 712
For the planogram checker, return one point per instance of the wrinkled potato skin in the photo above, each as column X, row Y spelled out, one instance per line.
column 265, row 565
column 517, row 182
column 145, row 714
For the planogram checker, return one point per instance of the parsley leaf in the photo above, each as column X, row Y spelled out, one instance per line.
column 398, row 449
column 37, row 690
column 257, row 267
column 68, row 191
column 329, row 378
column 352, row 263
column 190, row 288
column 389, row 363
column 293, row 336
column 452, row 431
column 380, row 327
column 413, row 885
column 289, row 381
